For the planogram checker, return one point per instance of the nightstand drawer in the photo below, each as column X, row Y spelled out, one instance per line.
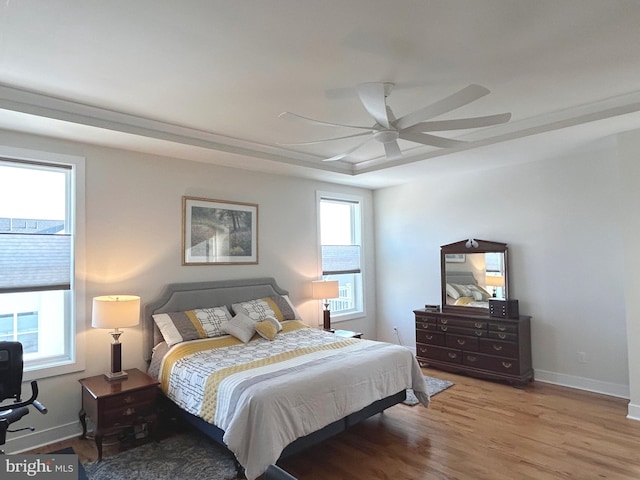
column 126, row 415
column 130, row 398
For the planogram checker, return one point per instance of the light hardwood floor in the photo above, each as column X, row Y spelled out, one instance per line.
column 478, row 430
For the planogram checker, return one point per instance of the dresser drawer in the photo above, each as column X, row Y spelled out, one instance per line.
column 503, row 327
column 432, row 338
column 147, row 395
column 489, row 362
column 463, row 331
column 462, row 342
column 426, row 319
column 463, row 322
column 496, row 347
column 426, row 325
column 507, row 337
column 450, row 355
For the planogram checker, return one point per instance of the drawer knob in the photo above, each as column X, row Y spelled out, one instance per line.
column 478, row 325
column 423, row 350
column 497, row 348
column 429, row 337
column 506, row 364
column 453, row 355
column 443, row 328
column 502, row 335
column 423, row 325
column 128, row 412
column 479, row 333
column 128, row 399
column 444, row 321
column 472, row 358
column 461, row 341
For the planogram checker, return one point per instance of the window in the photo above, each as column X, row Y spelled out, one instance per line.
column 340, row 226
column 37, row 284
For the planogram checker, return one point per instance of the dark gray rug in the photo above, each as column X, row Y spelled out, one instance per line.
column 186, row 456
column 435, row 385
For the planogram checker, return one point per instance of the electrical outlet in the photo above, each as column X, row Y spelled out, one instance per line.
column 582, row 357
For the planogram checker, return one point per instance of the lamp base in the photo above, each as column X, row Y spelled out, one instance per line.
column 326, row 320
column 111, row 376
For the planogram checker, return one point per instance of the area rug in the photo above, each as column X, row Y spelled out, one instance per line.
column 434, row 385
column 82, row 475
column 186, row 456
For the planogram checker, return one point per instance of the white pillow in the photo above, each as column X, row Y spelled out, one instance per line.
column 241, row 326
column 452, row 292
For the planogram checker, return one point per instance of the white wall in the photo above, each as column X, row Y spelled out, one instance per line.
column 559, row 219
column 133, row 243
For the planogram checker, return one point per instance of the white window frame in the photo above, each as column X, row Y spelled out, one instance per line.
column 358, row 232
column 75, row 360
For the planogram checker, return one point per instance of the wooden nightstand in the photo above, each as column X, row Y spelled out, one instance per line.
column 116, row 404
column 347, row 334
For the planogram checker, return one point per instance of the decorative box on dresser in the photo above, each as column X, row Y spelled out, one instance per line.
column 479, row 345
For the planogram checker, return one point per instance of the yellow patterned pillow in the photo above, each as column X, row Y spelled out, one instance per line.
column 266, row 329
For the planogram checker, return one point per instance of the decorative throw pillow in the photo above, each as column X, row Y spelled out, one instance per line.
column 276, row 306
column 179, row 327
column 452, row 292
column 275, row 322
column 266, row 329
column 241, row 326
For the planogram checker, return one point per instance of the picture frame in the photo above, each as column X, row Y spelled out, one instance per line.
column 454, row 258
column 219, row 232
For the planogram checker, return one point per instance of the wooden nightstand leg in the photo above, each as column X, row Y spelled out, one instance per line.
column 83, row 420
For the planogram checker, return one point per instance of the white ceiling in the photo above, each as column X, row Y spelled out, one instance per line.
column 206, row 80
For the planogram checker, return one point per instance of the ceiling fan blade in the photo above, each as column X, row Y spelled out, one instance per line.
column 320, row 122
column 457, row 100
column 325, row 140
column 372, row 96
column 392, row 149
column 347, row 153
column 434, row 141
column 459, row 123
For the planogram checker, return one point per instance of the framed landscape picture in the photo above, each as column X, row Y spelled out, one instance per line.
column 218, row 232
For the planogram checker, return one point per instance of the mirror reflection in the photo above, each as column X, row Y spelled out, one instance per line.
column 473, row 274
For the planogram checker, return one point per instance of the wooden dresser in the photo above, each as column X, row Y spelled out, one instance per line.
column 482, row 346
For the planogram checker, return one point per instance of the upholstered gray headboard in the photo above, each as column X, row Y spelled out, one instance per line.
column 178, row 297
column 461, row 278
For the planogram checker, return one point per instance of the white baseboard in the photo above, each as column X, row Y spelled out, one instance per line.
column 581, row 383
column 40, row 438
column 633, row 412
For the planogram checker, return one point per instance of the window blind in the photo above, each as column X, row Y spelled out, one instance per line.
column 30, row 262
column 340, row 259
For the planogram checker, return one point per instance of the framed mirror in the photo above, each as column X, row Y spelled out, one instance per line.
column 471, row 272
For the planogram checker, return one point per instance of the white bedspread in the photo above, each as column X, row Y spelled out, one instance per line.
column 264, row 408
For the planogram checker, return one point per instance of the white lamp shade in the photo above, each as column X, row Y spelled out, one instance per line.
column 115, row 311
column 494, row 281
column 322, row 289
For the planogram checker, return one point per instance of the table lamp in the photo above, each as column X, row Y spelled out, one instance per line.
column 324, row 290
column 494, row 281
column 116, row 311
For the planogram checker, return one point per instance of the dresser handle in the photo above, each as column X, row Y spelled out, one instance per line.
column 497, row 348
column 461, row 342
column 128, row 412
column 502, row 335
column 423, row 325
column 453, row 355
column 501, row 328
column 128, row 399
column 429, row 337
column 423, row 350
column 478, row 325
column 444, row 321
column 443, row 328
column 471, row 358
column 479, row 333
column 506, row 364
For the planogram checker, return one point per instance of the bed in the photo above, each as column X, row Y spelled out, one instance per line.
column 276, row 394
column 463, row 290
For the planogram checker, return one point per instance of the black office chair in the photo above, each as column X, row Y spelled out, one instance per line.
column 11, row 367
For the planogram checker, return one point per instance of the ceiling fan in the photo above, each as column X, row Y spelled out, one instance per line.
column 413, row 126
